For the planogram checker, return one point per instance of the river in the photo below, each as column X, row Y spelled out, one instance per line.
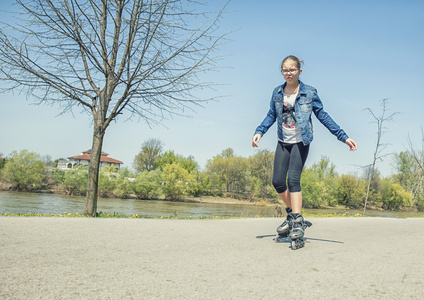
column 19, row 202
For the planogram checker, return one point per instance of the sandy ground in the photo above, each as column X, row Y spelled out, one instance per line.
column 81, row 258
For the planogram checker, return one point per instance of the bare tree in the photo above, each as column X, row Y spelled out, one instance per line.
column 46, row 160
column 379, row 146
column 107, row 57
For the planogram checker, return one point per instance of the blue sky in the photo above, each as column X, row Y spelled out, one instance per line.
column 356, row 53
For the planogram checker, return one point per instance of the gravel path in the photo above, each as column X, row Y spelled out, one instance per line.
column 83, row 258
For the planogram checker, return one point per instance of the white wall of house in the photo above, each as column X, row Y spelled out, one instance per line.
column 78, row 162
column 64, row 165
column 69, row 164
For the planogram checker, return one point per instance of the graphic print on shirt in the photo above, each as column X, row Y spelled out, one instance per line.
column 291, row 131
column 289, row 119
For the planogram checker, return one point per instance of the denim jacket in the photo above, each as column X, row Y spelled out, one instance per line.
column 307, row 101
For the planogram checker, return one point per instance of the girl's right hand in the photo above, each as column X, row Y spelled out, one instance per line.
column 255, row 140
column 352, row 145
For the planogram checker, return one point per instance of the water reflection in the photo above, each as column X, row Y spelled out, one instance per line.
column 14, row 202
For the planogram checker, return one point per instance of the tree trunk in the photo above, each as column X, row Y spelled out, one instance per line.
column 93, row 175
column 94, row 166
column 368, row 188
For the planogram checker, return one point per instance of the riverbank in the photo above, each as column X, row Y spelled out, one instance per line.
column 42, row 204
column 265, row 202
column 344, row 258
column 201, row 199
column 228, row 200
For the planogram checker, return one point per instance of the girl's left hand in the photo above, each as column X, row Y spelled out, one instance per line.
column 352, row 145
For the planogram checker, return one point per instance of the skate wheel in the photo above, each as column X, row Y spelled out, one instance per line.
column 297, row 244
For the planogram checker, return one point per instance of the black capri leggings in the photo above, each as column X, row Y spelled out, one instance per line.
column 289, row 160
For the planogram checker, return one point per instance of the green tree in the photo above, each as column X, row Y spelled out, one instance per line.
column 108, row 180
column 75, row 181
column 204, row 183
column 227, row 153
column 351, row 191
column 126, row 173
column 375, row 185
column 411, row 173
column 169, row 157
column 313, row 190
column 24, row 170
column 394, row 195
column 404, row 164
column 261, row 168
column 229, row 171
column 2, row 161
column 123, row 188
column 124, row 183
column 146, row 159
column 237, row 175
column 178, row 182
column 326, row 174
column 324, row 168
column 147, row 184
column 213, row 177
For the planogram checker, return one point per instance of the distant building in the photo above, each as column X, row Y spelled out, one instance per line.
column 84, row 160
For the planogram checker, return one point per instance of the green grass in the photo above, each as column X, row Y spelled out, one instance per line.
column 115, row 215
column 173, row 216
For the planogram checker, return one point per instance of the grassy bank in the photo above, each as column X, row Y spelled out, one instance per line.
column 174, row 216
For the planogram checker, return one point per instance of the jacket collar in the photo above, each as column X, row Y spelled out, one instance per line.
column 302, row 89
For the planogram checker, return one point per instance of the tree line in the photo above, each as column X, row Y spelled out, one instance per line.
column 163, row 174
column 109, row 58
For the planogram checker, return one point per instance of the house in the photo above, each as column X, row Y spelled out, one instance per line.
column 84, row 159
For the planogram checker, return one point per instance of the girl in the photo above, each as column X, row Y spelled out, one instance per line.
column 291, row 106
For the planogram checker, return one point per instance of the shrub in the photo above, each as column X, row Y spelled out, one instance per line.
column 351, row 191
column 24, row 170
column 146, row 185
column 75, row 181
column 394, row 195
column 313, row 190
column 107, row 181
column 177, row 181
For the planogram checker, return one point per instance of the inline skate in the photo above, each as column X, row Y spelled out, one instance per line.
column 297, row 232
column 283, row 230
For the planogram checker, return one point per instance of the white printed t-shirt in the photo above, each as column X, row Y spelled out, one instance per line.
column 291, row 131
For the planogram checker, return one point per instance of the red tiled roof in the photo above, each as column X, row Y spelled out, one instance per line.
column 89, row 152
column 103, row 158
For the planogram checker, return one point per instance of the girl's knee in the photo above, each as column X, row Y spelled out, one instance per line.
column 294, row 186
column 279, row 187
